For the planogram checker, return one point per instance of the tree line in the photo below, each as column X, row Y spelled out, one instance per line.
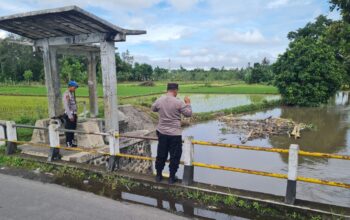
column 18, row 63
column 311, row 70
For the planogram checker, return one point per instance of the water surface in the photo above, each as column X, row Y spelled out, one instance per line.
column 332, row 136
column 215, row 102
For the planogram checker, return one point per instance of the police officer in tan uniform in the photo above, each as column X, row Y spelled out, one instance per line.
column 70, row 112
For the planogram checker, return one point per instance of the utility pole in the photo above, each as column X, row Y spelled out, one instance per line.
column 169, row 62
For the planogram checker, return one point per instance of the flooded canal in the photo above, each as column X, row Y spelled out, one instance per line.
column 332, row 135
column 215, row 102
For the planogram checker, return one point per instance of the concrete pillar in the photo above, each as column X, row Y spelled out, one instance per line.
column 52, row 80
column 54, row 138
column 11, row 133
column 292, row 174
column 92, row 83
column 188, row 152
column 109, row 80
column 2, row 134
column 113, row 151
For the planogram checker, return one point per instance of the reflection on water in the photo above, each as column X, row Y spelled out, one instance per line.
column 332, row 135
column 215, row 102
column 161, row 200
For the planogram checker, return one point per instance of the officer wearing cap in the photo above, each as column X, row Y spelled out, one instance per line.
column 70, row 112
column 169, row 131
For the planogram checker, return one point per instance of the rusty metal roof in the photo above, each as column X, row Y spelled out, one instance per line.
column 59, row 22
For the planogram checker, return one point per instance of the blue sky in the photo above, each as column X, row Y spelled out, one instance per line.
column 197, row 33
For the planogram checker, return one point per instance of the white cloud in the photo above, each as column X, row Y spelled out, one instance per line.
column 277, row 3
column 183, row 5
column 248, row 37
column 161, row 33
column 108, row 5
column 3, row 34
column 13, row 7
column 187, row 52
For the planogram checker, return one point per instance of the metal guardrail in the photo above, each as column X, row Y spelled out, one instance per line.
column 189, row 143
column 274, row 150
column 197, row 164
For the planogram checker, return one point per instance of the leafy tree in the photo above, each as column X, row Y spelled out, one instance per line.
column 73, row 68
column 337, row 36
column 159, row 73
column 259, row 72
column 312, row 30
column 343, row 6
column 16, row 58
column 307, row 74
column 28, row 75
column 127, row 58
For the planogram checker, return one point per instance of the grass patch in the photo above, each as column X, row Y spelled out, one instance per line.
column 232, row 202
column 133, row 89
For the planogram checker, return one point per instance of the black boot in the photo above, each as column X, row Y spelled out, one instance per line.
column 159, row 177
column 173, row 179
column 74, row 143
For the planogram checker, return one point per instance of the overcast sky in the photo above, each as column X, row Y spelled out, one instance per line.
column 196, row 33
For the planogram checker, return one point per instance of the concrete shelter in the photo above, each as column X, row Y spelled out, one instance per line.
column 73, row 30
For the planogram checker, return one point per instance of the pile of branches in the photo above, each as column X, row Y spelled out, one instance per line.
column 253, row 129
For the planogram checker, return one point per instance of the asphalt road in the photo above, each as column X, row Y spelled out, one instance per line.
column 22, row 199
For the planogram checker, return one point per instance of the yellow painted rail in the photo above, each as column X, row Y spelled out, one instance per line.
column 275, row 175
column 197, row 164
column 275, row 150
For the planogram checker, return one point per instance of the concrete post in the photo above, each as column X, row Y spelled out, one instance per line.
column 292, row 174
column 188, row 152
column 11, row 133
column 92, row 83
column 54, row 138
column 109, row 80
column 2, row 134
column 52, row 80
column 113, row 151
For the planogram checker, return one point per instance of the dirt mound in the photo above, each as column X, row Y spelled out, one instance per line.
column 147, row 83
column 253, row 129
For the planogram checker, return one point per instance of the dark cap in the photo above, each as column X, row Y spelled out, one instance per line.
column 172, row 86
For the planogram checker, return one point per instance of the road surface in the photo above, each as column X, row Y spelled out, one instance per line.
column 32, row 200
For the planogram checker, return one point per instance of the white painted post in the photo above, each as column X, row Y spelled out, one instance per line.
column 109, row 81
column 113, row 151
column 188, row 152
column 54, row 138
column 292, row 174
column 11, row 133
column 2, row 134
column 92, row 83
column 52, row 79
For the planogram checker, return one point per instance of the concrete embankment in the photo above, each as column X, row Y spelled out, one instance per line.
column 234, row 202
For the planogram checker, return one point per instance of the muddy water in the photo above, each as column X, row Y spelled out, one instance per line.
column 332, row 136
column 215, row 102
column 159, row 200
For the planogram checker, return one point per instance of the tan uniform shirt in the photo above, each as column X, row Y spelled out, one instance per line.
column 170, row 109
column 69, row 103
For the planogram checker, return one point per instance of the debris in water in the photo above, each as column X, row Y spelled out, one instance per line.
column 253, row 129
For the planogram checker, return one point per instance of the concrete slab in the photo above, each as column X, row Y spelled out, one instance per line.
column 82, row 157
